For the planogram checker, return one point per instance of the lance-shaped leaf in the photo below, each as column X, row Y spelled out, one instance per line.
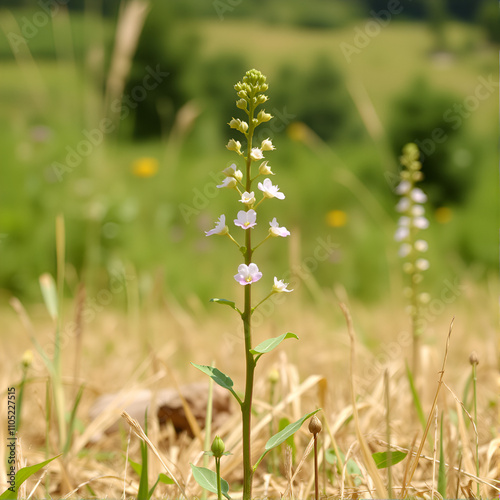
column 219, row 378
column 21, row 476
column 207, row 479
column 226, row 302
column 385, row 459
column 283, row 435
column 269, row 344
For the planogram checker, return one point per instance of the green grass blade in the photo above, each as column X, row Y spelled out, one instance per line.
column 143, row 493
column 416, row 398
column 72, row 419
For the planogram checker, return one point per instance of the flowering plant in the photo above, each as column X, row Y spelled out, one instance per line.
column 411, row 222
column 251, row 95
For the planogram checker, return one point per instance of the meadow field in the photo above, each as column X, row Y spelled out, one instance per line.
column 106, row 273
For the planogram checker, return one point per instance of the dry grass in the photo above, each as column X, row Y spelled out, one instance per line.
column 314, row 372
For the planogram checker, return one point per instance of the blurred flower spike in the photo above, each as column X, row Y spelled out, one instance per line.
column 145, row 167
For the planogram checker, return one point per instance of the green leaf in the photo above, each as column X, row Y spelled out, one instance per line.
column 283, row 424
column 207, row 479
column 283, row 435
column 269, row 344
column 165, row 479
column 218, row 377
column 416, row 399
column 22, row 475
column 225, row 302
column 137, row 468
column 385, row 459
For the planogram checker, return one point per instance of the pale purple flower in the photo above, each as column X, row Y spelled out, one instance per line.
column 275, row 230
column 220, row 227
column 420, row 222
column 246, row 219
column 228, row 182
column 247, row 274
column 403, row 187
column 256, row 154
column 418, row 196
column 401, row 233
column 247, row 198
column 279, row 286
column 269, row 190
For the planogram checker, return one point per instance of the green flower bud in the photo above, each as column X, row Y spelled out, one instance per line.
column 241, row 104
column 261, row 99
column 27, row 358
column 263, row 116
column 242, row 94
column 218, row 447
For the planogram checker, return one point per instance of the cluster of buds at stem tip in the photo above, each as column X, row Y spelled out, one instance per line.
column 250, row 92
column 412, row 221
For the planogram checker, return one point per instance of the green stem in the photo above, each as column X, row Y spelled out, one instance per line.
column 263, row 300
column 217, row 470
column 246, row 407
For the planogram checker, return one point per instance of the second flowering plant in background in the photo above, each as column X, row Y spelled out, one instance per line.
column 251, row 95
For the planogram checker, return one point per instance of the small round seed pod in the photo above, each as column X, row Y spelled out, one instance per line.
column 315, row 425
column 473, row 358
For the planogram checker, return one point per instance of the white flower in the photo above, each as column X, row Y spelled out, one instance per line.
column 267, row 145
column 421, row 245
column 403, row 205
column 420, row 222
column 418, row 196
column 247, row 274
column 247, row 198
column 401, row 233
column 279, row 286
column 275, row 230
column 403, row 187
column 265, row 169
column 404, row 250
column 256, row 154
column 246, row 219
column 269, row 190
column 220, row 227
column 422, row 264
column 228, row 182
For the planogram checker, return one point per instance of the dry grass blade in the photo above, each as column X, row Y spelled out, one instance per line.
column 88, row 482
column 431, row 413
column 365, row 451
column 138, row 431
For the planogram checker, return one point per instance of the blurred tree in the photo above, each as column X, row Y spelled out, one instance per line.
column 171, row 50
column 431, row 119
column 318, row 98
column 488, row 19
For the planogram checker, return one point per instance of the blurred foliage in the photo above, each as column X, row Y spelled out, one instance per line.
column 488, row 19
column 317, row 96
column 427, row 116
